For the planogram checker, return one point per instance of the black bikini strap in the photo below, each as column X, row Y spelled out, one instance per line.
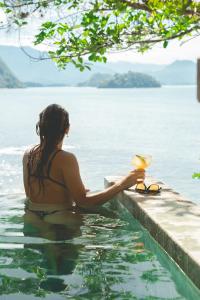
column 49, row 178
column 50, row 162
column 57, row 182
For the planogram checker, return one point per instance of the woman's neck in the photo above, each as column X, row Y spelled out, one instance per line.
column 59, row 146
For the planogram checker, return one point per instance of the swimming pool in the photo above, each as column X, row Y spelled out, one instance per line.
column 105, row 255
column 106, row 260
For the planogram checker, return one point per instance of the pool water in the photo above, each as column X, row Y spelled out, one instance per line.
column 106, row 254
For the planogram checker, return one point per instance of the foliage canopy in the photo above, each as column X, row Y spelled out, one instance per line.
column 92, row 28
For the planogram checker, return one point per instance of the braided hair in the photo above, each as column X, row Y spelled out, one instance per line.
column 51, row 128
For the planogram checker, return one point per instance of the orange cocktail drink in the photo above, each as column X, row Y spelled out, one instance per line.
column 141, row 161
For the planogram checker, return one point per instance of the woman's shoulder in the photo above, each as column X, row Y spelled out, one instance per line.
column 28, row 151
column 67, row 155
column 26, row 154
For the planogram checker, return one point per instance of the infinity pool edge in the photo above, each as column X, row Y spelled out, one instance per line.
column 172, row 220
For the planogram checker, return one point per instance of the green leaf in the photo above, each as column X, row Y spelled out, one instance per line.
column 196, row 176
column 8, row 10
column 165, row 44
column 104, row 59
column 48, row 25
column 92, row 57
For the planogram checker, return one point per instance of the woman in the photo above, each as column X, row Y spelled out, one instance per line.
column 51, row 175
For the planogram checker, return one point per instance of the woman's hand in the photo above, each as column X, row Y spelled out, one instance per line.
column 132, row 178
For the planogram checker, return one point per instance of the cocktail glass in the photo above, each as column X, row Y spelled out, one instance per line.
column 141, row 161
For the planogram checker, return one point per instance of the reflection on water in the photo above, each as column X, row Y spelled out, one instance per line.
column 101, row 256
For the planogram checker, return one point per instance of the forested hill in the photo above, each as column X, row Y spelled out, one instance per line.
column 7, row 79
column 127, row 80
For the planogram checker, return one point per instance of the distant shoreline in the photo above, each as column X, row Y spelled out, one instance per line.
column 89, row 88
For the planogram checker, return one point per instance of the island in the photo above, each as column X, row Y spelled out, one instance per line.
column 126, row 80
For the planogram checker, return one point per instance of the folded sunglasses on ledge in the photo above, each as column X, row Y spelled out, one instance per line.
column 143, row 189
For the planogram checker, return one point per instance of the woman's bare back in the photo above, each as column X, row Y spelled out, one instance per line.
column 54, row 189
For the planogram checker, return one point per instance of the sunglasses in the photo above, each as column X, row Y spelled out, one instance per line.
column 143, row 189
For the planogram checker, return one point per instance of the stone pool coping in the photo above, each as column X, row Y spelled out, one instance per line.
column 172, row 220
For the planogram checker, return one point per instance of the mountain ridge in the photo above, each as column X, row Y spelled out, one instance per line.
column 7, row 78
column 46, row 73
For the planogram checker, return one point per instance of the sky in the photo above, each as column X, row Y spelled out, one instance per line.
column 190, row 50
column 176, row 50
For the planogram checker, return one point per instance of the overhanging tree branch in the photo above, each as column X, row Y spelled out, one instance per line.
column 137, row 6
column 94, row 28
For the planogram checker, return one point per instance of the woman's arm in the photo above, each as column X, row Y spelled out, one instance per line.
column 72, row 179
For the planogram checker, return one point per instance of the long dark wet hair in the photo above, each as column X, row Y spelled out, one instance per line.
column 51, row 128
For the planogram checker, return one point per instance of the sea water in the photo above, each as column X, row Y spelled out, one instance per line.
column 108, row 126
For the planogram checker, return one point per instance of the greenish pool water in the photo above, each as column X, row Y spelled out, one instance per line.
column 105, row 255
